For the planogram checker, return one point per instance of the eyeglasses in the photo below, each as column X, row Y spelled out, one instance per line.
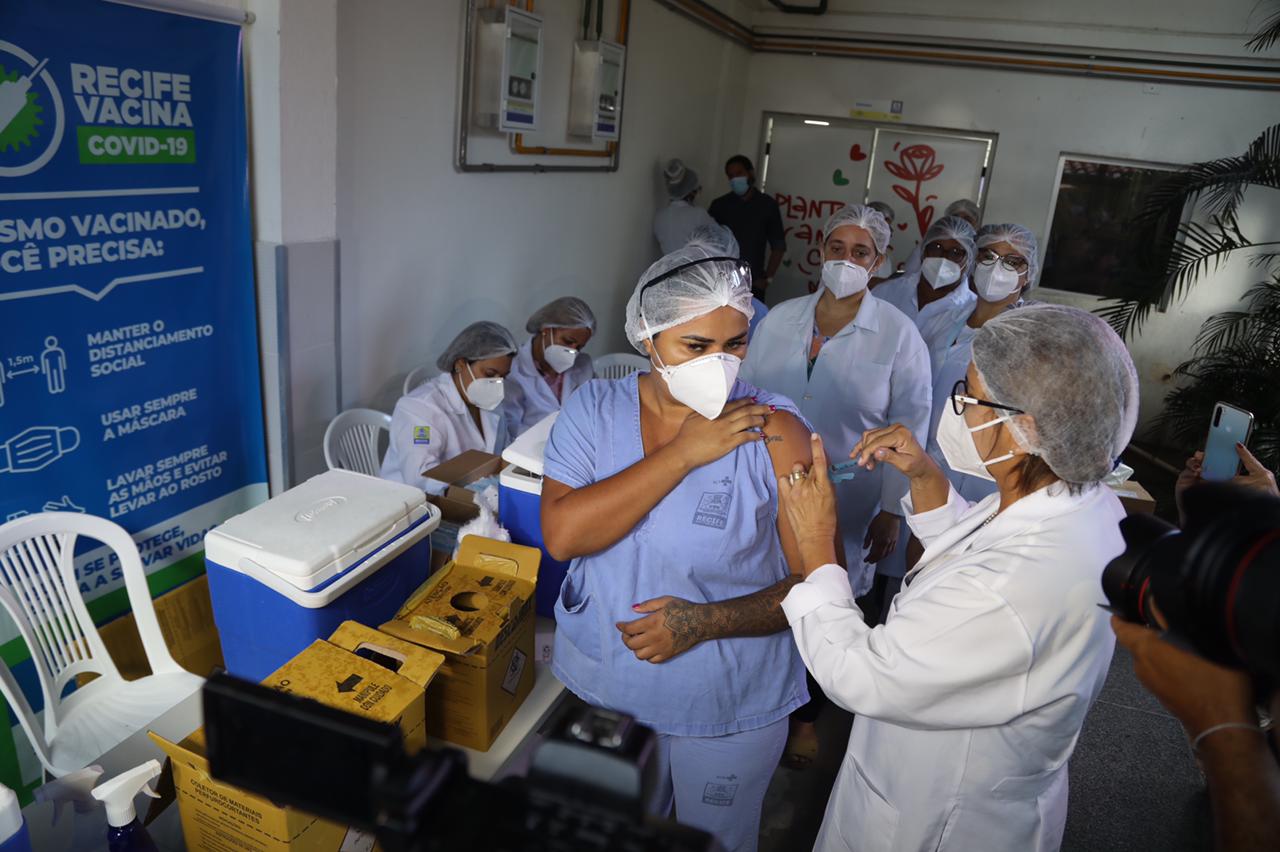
column 741, row 275
column 955, row 254
column 1012, row 262
column 960, row 398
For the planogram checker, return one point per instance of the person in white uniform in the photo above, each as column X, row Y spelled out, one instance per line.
column 851, row 362
column 961, row 207
column 458, row 410
column 674, row 224
column 551, row 365
column 970, row 698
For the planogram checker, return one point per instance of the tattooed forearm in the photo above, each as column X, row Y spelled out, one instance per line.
column 757, row 614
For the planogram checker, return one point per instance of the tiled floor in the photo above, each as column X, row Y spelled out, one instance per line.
column 1134, row 783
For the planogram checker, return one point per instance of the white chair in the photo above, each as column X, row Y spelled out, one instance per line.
column 38, row 588
column 617, row 365
column 351, row 440
column 417, row 376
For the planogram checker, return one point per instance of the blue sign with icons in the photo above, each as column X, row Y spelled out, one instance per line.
column 129, row 384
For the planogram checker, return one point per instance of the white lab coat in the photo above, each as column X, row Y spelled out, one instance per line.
column 529, row 399
column 938, row 322
column 673, row 224
column 969, row 700
column 437, row 407
column 873, row 372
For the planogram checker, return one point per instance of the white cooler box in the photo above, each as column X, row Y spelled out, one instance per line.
column 339, row 546
column 520, row 507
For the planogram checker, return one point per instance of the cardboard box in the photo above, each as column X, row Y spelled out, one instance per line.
column 478, row 612
column 457, row 504
column 1134, row 497
column 336, row 672
column 186, row 622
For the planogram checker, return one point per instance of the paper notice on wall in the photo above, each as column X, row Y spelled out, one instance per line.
column 876, row 109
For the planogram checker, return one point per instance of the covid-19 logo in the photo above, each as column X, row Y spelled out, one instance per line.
column 31, row 114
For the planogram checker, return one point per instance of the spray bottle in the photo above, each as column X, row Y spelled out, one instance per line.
column 13, row 828
column 76, row 789
column 127, row 834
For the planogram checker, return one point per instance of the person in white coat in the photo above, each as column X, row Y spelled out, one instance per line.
column 674, row 224
column 970, row 698
column 458, row 410
column 851, row 363
column 551, row 365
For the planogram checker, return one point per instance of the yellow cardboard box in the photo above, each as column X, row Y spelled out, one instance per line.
column 478, row 612
column 340, row 672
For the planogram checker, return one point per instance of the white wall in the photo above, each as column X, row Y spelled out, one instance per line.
column 426, row 249
column 1038, row 117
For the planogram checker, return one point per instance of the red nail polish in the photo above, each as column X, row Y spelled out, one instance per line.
column 636, row 607
column 773, row 408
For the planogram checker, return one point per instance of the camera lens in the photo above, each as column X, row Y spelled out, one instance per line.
column 1150, row 544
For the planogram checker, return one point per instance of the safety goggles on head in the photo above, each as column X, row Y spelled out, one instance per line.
column 1012, row 262
column 955, row 254
column 742, row 270
column 960, row 398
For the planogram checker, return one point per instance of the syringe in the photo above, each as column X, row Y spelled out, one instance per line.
column 13, row 95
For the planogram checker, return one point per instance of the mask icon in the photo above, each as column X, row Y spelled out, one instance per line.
column 37, row 447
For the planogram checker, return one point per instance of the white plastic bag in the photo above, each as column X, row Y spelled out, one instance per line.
column 486, row 523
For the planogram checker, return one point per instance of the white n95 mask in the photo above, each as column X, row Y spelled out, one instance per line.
column 955, row 438
column 940, row 272
column 995, row 283
column 559, row 358
column 844, row 278
column 702, row 383
column 484, row 393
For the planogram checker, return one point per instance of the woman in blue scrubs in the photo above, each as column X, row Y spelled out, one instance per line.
column 662, row 489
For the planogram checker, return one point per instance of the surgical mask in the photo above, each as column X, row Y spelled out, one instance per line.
column 844, row 278
column 37, row 447
column 955, row 438
column 485, row 394
column 559, row 358
column 702, row 383
column 994, row 282
column 940, row 272
column 739, row 185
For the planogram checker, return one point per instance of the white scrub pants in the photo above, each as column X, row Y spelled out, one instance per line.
column 718, row 784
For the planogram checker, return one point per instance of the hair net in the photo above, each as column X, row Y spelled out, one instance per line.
column 953, row 228
column 863, row 216
column 963, row 207
column 687, row 295
column 718, row 238
column 565, row 312
column 885, row 210
column 680, row 179
column 1073, row 375
column 1017, row 236
column 476, row 342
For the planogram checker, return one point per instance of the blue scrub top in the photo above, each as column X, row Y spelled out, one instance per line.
column 712, row 538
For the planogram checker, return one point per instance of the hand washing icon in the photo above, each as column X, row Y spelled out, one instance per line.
column 37, row 447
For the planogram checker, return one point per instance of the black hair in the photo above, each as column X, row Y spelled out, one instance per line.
column 740, row 159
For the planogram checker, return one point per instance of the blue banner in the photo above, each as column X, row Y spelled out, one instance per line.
column 129, row 384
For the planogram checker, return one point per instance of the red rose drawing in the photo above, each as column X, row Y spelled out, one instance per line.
column 916, row 165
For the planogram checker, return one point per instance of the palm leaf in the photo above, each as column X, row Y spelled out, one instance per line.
column 1222, row 182
column 1268, row 35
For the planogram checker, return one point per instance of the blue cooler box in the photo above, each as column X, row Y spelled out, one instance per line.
column 339, row 546
column 520, row 508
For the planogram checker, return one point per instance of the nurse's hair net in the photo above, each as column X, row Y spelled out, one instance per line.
column 1017, row 236
column 863, row 216
column 885, row 210
column 954, row 228
column 716, row 237
column 679, row 178
column 565, row 312
column 476, row 342
column 1073, row 375
column 963, row 207
column 695, row 290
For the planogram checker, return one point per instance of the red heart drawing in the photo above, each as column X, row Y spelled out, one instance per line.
column 856, row 153
column 902, row 226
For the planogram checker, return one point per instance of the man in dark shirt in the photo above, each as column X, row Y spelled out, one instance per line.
column 755, row 220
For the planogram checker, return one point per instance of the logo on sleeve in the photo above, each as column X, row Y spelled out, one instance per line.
column 713, row 510
column 422, row 434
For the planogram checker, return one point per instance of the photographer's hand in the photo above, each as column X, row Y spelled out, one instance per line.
column 1243, row 778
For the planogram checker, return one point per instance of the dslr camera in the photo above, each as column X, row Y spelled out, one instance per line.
column 1216, row 581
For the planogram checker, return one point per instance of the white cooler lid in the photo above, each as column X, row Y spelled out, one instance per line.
column 527, row 450
column 316, row 530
